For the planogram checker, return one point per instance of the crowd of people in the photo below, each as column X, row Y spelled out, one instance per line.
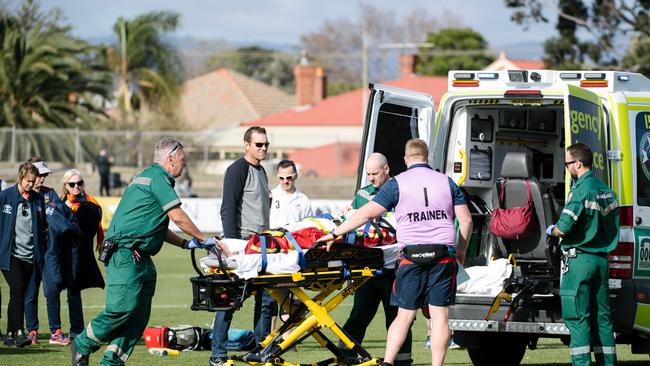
column 48, row 237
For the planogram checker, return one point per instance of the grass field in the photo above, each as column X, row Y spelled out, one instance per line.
column 172, row 307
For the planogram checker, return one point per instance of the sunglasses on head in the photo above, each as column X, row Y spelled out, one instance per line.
column 173, row 151
column 25, row 209
column 260, row 145
column 76, row 184
column 288, row 177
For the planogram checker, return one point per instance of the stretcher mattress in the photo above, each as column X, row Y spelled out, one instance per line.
column 249, row 265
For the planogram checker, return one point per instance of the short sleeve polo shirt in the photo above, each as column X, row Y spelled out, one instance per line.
column 140, row 220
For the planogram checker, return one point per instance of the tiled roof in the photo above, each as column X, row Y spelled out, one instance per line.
column 347, row 109
column 223, row 98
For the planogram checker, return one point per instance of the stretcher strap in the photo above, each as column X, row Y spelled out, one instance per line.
column 301, row 255
column 263, row 252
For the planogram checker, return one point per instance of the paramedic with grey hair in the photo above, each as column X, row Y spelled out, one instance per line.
column 137, row 232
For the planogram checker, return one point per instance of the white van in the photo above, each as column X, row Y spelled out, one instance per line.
column 523, row 120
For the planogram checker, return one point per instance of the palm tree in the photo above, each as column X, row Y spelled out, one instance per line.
column 48, row 78
column 148, row 69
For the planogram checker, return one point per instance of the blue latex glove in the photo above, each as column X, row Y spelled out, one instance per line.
column 209, row 242
column 549, row 230
column 193, row 244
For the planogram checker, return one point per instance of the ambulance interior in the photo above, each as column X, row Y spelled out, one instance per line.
column 482, row 143
column 490, row 144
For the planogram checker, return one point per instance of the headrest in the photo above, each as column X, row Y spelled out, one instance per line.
column 517, row 165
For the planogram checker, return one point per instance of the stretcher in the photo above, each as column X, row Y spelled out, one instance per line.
column 330, row 277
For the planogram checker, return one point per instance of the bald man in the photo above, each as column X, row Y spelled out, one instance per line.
column 378, row 289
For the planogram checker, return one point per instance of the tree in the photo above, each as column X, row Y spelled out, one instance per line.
column 453, row 48
column 47, row 77
column 148, row 69
column 637, row 59
column 607, row 25
column 337, row 45
column 271, row 67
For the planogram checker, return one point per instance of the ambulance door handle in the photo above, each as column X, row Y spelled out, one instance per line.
column 638, row 220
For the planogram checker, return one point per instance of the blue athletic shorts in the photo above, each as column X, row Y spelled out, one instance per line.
column 417, row 285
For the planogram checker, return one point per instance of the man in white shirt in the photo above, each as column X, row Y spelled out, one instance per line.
column 288, row 204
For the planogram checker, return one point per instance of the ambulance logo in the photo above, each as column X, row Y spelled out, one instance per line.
column 644, row 154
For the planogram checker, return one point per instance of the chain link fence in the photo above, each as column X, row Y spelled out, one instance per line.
column 73, row 146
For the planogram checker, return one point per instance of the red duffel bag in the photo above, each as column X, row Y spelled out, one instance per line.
column 513, row 222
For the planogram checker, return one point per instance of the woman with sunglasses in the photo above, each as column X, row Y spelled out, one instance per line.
column 81, row 266
column 23, row 239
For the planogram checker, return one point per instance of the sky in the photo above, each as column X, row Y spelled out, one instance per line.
column 284, row 21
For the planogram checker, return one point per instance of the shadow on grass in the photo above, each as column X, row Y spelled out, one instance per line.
column 24, row 351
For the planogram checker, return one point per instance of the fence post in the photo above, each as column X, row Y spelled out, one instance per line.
column 205, row 150
column 13, row 144
column 77, row 147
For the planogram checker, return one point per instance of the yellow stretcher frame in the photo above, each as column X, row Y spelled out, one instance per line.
column 311, row 316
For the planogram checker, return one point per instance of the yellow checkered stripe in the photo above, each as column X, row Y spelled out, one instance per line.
column 484, row 101
column 558, row 101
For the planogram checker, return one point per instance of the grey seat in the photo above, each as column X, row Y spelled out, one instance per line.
column 516, row 168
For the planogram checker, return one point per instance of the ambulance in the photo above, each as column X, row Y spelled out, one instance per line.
column 513, row 126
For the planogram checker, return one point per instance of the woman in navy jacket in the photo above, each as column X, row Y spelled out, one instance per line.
column 23, row 238
column 62, row 237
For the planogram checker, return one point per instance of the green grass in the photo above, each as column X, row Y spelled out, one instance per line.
column 172, row 307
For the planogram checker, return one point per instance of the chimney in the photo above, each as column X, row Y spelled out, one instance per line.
column 408, row 64
column 310, row 83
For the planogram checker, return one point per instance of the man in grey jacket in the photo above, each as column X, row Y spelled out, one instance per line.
column 245, row 207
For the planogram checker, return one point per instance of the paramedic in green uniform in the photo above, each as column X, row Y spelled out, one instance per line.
column 139, row 228
column 589, row 227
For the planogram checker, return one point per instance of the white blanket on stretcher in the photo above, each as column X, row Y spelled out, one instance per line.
column 486, row 280
column 249, row 265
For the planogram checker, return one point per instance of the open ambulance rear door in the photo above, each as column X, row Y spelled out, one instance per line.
column 393, row 117
column 583, row 122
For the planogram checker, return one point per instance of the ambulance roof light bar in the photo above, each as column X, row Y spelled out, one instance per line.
column 570, row 75
column 488, row 75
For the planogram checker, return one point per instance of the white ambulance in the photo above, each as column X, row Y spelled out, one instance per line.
column 516, row 125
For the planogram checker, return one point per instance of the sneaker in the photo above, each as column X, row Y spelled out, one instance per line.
column 427, row 343
column 453, row 345
column 218, row 362
column 33, row 336
column 78, row 359
column 21, row 339
column 59, row 338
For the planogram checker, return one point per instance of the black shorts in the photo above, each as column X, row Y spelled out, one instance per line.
column 417, row 285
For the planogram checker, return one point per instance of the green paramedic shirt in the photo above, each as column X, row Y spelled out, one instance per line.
column 143, row 211
column 590, row 218
column 363, row 196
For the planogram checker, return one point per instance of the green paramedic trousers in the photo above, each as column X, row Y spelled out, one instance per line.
column 585, row 308
column 130, row 286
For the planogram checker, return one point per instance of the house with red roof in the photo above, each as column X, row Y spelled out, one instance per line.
column 322, row 135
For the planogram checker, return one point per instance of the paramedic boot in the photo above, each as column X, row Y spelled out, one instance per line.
column 77, row 358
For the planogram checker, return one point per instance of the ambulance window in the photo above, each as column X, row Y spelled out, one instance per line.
column 396, row 125
column 642, row 122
